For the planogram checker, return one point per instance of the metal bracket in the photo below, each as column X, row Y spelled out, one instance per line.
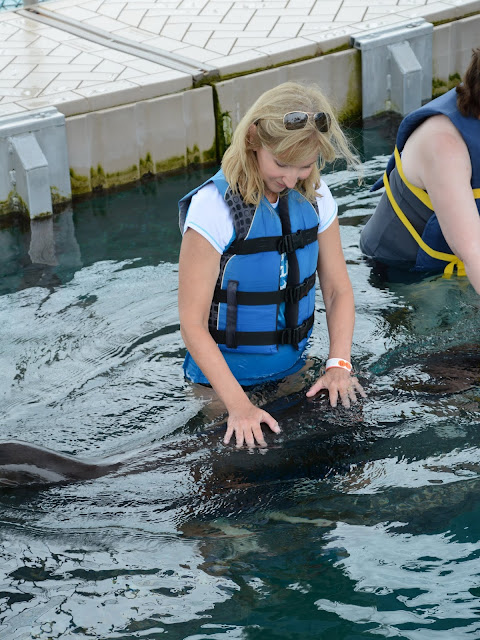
column 34, row 168
column 396, row 67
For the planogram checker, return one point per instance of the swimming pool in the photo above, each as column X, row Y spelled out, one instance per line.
column 351, row 524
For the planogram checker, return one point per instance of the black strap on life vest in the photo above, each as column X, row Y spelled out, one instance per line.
column 288, row 295
column 287, row 243
column 258, row 338
column 293, row 277
column 231, row 332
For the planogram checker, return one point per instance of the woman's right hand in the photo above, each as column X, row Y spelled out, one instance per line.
column 245, row 424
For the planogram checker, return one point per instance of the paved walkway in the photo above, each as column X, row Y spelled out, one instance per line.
column 85, row 55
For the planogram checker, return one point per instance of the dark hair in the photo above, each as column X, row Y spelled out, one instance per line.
column 468, row 98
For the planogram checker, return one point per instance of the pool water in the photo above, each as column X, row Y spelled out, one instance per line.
column 352, row 524
column 13, row 4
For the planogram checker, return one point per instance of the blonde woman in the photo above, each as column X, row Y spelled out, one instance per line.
column 254, row 237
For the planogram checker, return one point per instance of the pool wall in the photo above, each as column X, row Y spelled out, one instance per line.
column 168, row 93
column 111, row 147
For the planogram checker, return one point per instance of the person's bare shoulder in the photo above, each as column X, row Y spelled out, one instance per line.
column 436, row 142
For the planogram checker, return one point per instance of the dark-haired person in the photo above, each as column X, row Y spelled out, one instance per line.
column 428, row 218
column 254, row 237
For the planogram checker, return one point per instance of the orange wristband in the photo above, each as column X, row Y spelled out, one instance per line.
column 339, row 363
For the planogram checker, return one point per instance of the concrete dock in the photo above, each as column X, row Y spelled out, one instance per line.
column 148, row 86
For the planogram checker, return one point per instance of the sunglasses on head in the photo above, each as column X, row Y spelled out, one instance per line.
column 298, row 120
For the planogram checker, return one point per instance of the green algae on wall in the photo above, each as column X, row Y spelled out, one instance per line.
column 439, row 86
column 6, row 206
column 146, row 165
column 170, row 164
column 223, row 126
column 209, row 156
column 119, row 178
column 342, row 47
column 249, row 72
column 57, row 199
column 227, row 128
column 97, row 178
column 21, row 206
column 79, row 184
column 352, row 108
column 101, row 180
column 14, row 203
column 193, row 155
column 44, row 214
column 224, row 132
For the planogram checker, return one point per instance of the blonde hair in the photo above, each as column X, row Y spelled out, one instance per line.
column 295, row 147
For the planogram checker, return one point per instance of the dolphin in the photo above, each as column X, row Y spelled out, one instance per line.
column 451, row 370
column 315, row 441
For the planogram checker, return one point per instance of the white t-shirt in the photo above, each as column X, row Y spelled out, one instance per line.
column 209, row 215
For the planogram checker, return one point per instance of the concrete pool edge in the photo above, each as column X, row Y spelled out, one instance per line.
column 115, row 138
column 192, row 126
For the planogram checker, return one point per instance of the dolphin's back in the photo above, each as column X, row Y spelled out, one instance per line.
column 25, row 463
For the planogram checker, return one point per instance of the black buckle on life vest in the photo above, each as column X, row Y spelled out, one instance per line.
column 295, row 294
column 297, row 334
column 291, row 242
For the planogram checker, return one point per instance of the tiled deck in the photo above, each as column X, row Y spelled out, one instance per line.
column 82, row 56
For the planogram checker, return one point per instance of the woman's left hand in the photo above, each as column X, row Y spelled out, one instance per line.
column 339, row 384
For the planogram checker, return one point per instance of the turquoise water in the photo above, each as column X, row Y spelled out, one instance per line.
column 353, row 524
column 13, row 4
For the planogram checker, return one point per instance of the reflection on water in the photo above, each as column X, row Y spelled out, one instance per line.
column 138, row 223
column 351, row 523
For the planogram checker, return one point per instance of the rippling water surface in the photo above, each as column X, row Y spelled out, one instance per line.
column 361, row 523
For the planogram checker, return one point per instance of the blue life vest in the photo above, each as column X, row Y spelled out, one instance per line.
column 250, row 313
column 469, row 129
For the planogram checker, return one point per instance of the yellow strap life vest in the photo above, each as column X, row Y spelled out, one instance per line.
column 452, row 260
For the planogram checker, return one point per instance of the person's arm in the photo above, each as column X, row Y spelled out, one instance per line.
column 340, row 311
column 443, row 167
column 199, row 266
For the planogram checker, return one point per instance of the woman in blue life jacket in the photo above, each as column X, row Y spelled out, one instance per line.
column 254, row 237
column 428, row 218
